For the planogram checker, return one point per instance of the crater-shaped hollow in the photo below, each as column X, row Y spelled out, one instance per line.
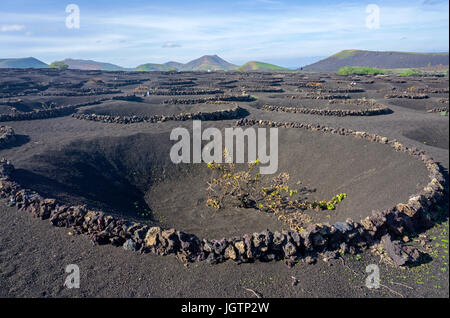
column 130, row 175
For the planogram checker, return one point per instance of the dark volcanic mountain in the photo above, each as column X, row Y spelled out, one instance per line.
column 208, row 62
column 27, row 62
column 377, row 59
column 92, row 65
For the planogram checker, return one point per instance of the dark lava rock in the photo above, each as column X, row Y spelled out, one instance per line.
column 290, row 262
column 399, row 253
column 289, row 249
column 342, row 226
column 12, row 201
column 278, row 240
column 130, row 245
column 329, row 255
column 309, row 260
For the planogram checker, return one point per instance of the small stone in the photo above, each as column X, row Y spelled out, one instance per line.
column 140, row 234
column 130, row 245
column 296, row 238
column 207, row 246
column 230, row 252
column 211, row 259
column 342, row 226
column 116, row 241
column 151, row 238
column 309, row 260
column 12, row 201
column 290, row 263
column 405, row 239
column 169, row 234
column 240, row 246
column 257, row 239
column 318, row 240
column 89, row 216
column 329, row 255
column 289, row 249
column 269, row 257
column 400, row 254
column 220, row 246
column 278, row 240
column 343, row 248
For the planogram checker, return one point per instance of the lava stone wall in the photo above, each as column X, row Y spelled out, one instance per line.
column 7, row 136
column 232, row 113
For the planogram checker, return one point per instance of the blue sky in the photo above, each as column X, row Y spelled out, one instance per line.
column 285, row 32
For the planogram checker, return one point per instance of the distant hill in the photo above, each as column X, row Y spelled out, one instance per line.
column 208, row 62
column 260, row 66
column 378, row 60
column 149, row 67
column 28, row 62
column 174, row 65
column 92, row 65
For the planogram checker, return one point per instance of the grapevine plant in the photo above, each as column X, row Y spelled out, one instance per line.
column 246, row 189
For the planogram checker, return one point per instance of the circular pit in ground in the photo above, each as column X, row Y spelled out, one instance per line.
column 133, row 177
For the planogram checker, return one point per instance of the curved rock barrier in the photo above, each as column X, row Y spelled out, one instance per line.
column 178, row 83
column 217, row 98
column 86, row 92
column 362, row 80
column 429, row 90
column 263, row 89
column 177, row 92
column 8, row 89
column 233, row 113
column 7, row 136
column 329, row 240
column 407, row 95
column 329, row 112
column 438, row 110
column 357, row 102
column 343, row 90
column 319, row 96
column 48, row 113
column 124, row 82
column 319, row 88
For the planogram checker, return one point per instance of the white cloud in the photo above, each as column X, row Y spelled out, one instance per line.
column 12, row 27
column 171, row 45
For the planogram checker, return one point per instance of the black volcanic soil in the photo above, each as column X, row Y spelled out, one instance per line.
column 112, row 166
column 435, row 135
column 416, row 104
